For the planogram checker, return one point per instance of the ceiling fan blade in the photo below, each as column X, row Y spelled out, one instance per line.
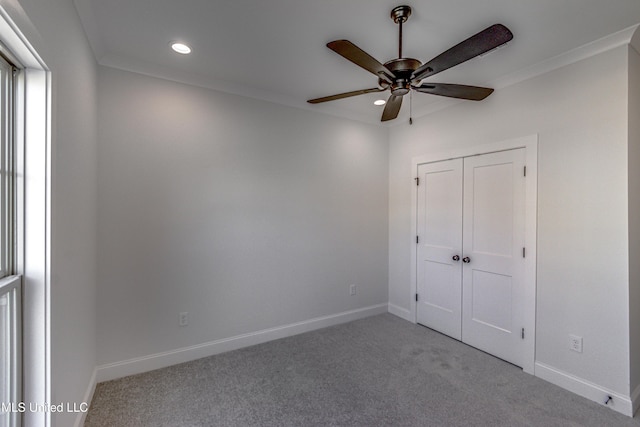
column 344, row 95
column 486, row 40
column 392, row 108
column 361, row 58
column 473, row 93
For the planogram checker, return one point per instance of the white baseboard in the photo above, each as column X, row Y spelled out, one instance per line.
column 635, row 400
column 403, row 313
column 139, row 365
column 619, row 403
column 88, row 397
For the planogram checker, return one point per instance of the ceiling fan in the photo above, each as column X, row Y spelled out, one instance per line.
column 402, row 75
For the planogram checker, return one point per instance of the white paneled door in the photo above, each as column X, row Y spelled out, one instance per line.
column 471, row 231
column 440, row 246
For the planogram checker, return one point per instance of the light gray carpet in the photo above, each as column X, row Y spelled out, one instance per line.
column 379, row 371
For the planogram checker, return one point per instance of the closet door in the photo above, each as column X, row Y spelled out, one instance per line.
column 439, row 248
column 493, row 263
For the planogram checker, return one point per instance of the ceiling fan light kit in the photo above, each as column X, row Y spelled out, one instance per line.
column 402, row 75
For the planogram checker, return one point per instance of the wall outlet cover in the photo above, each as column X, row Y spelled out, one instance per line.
column 183, row 319
column 575, row 343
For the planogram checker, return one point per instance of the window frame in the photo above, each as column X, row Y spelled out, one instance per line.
column 11, row 281
column 34, row 150
column 8, row 232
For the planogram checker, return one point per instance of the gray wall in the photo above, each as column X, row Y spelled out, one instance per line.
column 246, row 214
column 580, row 114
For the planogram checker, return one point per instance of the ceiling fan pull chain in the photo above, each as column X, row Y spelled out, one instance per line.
column 410, row 107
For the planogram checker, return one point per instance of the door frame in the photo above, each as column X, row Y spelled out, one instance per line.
column 530, row 144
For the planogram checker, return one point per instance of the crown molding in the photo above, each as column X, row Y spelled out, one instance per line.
column 612, row 41
column 199, row 80
column 628, row 36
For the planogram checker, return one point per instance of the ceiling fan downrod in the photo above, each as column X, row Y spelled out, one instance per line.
column 400, row 15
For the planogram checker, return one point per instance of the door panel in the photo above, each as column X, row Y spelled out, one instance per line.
column 439, row 228
column 492, row 208
column 493, row 230
column 492, row 300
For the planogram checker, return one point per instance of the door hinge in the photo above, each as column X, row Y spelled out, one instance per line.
column 525, row 171
column 524, row 253
column 417, row 180
column 417, row 239
column 522, row 333
column 416, row 297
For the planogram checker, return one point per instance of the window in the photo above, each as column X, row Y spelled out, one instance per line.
column 10, row 282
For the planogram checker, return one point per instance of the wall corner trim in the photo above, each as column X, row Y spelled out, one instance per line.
column 151, row 362
column 635, row 400
column 88, row 397
column 586, row 389
column 402, row 313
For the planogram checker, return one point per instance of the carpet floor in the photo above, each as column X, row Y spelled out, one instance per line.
column 379, row 371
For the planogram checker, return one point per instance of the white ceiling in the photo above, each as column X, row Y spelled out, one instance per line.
column 275, row 49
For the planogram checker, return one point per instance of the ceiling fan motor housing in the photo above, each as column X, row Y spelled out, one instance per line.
column 402, row 68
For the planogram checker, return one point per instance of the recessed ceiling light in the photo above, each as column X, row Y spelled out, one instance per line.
column 380, row 102
column 181, row 48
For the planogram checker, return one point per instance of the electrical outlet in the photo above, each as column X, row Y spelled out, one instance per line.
column 352, row 289
column 575, row 343
column 183, row 319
